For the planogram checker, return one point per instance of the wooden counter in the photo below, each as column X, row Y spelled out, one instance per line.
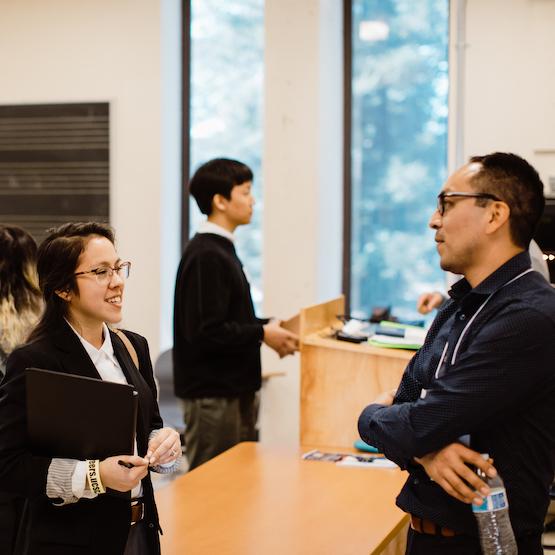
column 255, row 499
column 338, row 379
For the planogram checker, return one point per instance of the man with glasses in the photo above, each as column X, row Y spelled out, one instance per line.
column 484, row 381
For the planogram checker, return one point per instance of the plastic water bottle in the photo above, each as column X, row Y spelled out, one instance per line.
column 492, row 516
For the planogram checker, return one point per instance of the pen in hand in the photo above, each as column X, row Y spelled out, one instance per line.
column 126, row 464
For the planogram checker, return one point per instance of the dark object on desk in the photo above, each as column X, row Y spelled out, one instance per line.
column 346, row 317
column 350, row 338
column 76, row 417
column 390, row 330
column 380, row 313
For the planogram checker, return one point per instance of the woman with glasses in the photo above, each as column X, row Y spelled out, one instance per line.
column 84, row 507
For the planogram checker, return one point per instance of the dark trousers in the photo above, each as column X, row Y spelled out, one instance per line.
column 213, row 425
column 11, row 509
column 427, row 544
column 137, row 543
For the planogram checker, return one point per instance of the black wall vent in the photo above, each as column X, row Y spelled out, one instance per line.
column 54, row 165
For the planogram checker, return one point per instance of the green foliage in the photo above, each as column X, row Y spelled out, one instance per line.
column 227, row 55
column 399, row 148
column 399, row 133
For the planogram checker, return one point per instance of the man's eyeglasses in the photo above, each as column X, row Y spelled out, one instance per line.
column 104, row 274
column 443, row 195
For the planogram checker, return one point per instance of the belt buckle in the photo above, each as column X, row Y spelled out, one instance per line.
column 137, row 512
column 425, row 526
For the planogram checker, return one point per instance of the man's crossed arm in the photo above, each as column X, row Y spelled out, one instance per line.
column 448, row 467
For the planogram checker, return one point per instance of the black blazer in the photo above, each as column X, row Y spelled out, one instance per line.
column 90, row 526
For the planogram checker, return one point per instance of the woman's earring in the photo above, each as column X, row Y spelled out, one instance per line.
column 64, row 295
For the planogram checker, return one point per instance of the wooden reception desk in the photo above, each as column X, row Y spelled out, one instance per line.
column 338, row 379
column 257, row 499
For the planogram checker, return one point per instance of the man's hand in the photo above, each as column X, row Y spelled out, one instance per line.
column 428, row 301
column 385, row 398
column 447, row 468
column 283, row 342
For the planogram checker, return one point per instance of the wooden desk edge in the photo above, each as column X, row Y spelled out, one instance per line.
column 315, row 340
column 392, row 535
column 273, row 374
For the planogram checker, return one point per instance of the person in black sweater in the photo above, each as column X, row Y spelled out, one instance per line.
column 217, row 336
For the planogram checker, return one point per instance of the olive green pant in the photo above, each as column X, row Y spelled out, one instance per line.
column 213, row 425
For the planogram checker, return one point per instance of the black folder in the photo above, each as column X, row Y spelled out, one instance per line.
column 75, row 417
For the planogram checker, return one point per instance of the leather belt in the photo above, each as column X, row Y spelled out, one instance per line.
column 137, row 511
column 425, row 526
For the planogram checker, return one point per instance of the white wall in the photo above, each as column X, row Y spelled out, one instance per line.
column 510, row 80
column 302, row 165
column 97, row 51
column 170, row 202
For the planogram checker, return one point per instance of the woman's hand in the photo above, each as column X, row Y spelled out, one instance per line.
column 164, row 447
column 120, row 478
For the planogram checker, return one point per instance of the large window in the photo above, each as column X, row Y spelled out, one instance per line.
column 398, row 149
column 226, row 80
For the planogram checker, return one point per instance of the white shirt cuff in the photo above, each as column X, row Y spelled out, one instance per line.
column 79, row 482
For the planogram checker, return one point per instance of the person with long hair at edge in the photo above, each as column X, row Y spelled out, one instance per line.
column 20, row 308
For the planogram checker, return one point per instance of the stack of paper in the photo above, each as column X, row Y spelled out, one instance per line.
column 393, row 335
column 349, row 459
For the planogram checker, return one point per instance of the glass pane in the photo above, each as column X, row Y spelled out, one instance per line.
column 399, row 149
column 226, row 105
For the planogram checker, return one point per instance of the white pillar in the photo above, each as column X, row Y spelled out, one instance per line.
column 302, row 167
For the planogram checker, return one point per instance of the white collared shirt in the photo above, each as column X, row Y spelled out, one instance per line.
column 104, row 358
column 211, row 227
column 110, row 370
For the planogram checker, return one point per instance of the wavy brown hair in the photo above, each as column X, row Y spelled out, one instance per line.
column 20, row 297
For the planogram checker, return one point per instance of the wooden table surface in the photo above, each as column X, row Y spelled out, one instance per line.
column 256, row 499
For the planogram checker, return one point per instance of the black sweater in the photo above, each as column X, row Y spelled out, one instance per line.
column 217, row 336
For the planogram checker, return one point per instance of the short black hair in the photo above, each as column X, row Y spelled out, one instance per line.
column 513, row 180
column 217, row 177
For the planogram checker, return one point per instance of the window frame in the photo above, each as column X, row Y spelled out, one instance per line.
column 185, row 118
column 455, row 130
column 347, row 146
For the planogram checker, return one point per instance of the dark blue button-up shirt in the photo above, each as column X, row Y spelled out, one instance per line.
column 485, row 374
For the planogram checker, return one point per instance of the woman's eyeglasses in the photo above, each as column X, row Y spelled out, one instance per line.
column 104, row 274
